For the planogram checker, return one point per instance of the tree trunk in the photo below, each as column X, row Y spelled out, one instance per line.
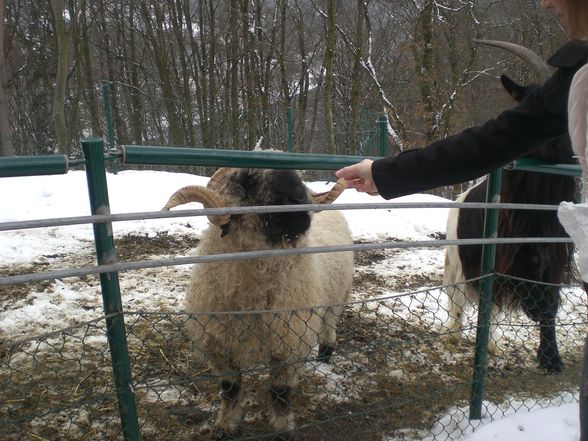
column 265, row 86
column 424, row 28
column 62, row 37
column 356, row 76
column 303, row 81
column 86, row 73
column 162, row 57
column 251, row 106
column 213, row 86
column 329, row 89
column 137, row 127
column 184, row 75
column 103, row 21
column 6, row 146
column 234, row 89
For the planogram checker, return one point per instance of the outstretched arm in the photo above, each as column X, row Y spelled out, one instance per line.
column 359, row 176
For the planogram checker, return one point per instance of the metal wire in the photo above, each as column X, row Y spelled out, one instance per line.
column 126, row 266
column 77, row 220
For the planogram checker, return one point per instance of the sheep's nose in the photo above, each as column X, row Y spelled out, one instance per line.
column 293, row 200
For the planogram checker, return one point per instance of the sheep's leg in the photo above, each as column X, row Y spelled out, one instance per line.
column 282, row 382
column 328, row 335
column 231, row 410
column 548, row 352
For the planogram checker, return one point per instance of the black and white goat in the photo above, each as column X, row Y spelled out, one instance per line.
column 548, row 264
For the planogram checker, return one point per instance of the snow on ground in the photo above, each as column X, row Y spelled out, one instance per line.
column 139, row 191
column 545, row 424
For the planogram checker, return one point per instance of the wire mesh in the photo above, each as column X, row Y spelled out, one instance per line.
column 58, row 386
column 395, row 369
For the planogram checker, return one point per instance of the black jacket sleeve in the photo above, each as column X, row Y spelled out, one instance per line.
column 540, row 117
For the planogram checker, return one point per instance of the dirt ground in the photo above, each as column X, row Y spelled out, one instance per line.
column 393, row 374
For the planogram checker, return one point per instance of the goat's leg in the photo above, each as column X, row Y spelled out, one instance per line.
column 453, row 280
column 328, row 334
column 282, row 382
column 541, row 305
column 494, row 334
column 548, row 353
column 456, row 301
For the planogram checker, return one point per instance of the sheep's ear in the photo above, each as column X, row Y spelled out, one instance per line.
column 514, row 89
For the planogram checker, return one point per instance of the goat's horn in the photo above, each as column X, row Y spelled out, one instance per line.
column 539, row 66
column 196, row 193
column 329, row 197
column 218, row 176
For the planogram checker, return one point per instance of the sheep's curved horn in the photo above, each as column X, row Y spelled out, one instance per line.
column 540, row 67
column 329, row 197
column 196, row 193
column 218, row 177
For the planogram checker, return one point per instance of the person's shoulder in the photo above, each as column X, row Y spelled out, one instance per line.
column 571, row 54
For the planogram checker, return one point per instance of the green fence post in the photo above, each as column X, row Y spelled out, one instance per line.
column 109, row 124
column 383, row 123
column 115, row 327
column 290, row 129
column 486, row 294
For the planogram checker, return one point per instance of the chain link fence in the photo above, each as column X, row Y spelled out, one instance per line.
column 394, row 372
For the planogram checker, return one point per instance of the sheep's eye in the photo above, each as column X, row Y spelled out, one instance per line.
column 225, row 229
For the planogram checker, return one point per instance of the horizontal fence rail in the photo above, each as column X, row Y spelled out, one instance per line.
column 535, row 166
column 143, row 155
column 247, row 255
column 126, row 266
column 122, row 217
column 36, row 165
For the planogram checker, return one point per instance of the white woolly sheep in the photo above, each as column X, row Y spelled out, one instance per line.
column 300, row 297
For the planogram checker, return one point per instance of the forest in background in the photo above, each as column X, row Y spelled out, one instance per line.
column 225, row 73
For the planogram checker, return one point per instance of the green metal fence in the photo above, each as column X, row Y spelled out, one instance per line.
column 379, row 341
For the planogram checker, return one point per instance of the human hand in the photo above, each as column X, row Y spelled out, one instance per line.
column 359, row 176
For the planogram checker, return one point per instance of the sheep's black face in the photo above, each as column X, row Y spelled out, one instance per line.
column 285, row 188
column 278, row 187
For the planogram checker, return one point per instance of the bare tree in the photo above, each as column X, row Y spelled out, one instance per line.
column 233, row 52
column 356, row 74
column 423, row 53
column 201, row 73
column 329, row 87
column 82, row 51
column 154, row 18
column 62, row 38
column 6, row 146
